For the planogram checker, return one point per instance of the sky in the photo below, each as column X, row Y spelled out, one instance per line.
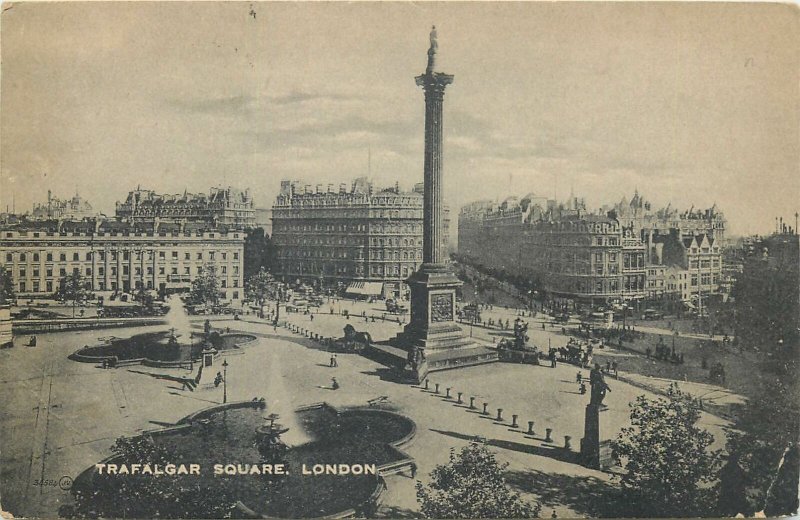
column 691, row 104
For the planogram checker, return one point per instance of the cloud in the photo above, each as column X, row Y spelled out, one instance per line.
column 297, row 96
column 231, row 105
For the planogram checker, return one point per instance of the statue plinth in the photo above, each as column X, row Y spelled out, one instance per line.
column 433, row 329
column 590, row 443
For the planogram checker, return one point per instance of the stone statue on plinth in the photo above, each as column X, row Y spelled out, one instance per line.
column 591, row 441
column 598, row 385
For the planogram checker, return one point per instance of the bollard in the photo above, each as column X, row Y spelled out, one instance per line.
column 447, row 392
column 567, row 445
column 471, row 403
column 548, row 437
column 459, row 398
column 485, row 405
column 530, row 427
column 426, row 384
column 437, row 388
column 499, row 414
column 514, row 421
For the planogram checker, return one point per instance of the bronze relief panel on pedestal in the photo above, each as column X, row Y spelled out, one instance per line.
column 441, row 307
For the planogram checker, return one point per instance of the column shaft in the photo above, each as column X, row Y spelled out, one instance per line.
column 433, row 209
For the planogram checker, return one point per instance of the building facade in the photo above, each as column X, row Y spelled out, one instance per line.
column 120, row 256
column 569, row 253
column 76, row 208
column 639, row 214
column 222, row 206
column 350, row 235
column 695, row 261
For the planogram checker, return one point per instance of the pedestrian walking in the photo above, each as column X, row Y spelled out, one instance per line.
column 334, row 384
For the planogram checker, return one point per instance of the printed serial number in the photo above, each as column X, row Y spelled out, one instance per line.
column 64, row 482
column 45, row 482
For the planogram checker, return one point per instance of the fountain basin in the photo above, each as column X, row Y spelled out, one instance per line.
column 155, row 347
column 225, row 435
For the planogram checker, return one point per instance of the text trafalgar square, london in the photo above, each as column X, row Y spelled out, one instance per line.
column 234, row 469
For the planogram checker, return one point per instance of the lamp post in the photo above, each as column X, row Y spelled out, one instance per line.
column 225, row 381
column 530, row 300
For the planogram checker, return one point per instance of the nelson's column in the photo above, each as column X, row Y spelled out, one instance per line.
column 432, row 338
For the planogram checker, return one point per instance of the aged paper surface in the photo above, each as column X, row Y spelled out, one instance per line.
column 438, row 259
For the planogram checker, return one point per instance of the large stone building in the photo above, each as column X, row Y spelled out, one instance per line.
column 569, row 253
column 76, row 208
column 693, row 262
column 357, row 235
column 639, row 214
column 120, row 256
column 624, row 252
column 222, row 206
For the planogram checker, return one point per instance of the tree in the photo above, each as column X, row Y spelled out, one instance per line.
column 259, row 286
column 666, row 457
column 206, row 287
column 471, row 485
column 73, row 288
column 764, row 453
column 144, row 298
column 259, row 252
column 6, row 286
column 763, row 439
column 145, row 496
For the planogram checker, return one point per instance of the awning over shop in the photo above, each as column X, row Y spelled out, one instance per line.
column 365, row 288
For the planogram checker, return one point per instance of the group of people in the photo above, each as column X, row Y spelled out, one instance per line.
column 664, row 353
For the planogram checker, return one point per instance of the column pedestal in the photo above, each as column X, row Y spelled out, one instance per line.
column 590, row 443
column 433, row 330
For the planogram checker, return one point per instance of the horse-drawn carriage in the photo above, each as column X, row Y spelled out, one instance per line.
column 470, row 313
column 576, row 352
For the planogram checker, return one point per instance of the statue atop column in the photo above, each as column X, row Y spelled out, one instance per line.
column 432, row 50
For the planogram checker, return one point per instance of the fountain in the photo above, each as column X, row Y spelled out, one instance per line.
column 173, row 347
column 268, row 439
column 280, row 403
column 177, row 319
column 364, row 440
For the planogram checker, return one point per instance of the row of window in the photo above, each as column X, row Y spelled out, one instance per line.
column 113, row 255
column 375, row 270
column 113, row 271
column 359, row 255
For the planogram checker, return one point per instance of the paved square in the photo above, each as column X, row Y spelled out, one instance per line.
column 58, row 416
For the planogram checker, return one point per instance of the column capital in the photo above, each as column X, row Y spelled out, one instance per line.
column 434, row 80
